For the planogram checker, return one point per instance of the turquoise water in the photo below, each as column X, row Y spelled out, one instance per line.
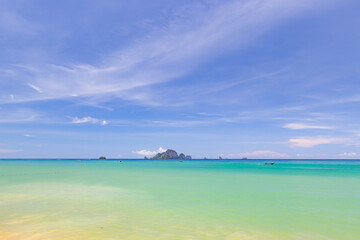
column 71, row 199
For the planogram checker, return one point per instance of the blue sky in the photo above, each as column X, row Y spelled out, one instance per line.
column 257, row 79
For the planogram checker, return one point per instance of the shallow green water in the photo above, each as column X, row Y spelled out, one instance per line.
column 63, row 199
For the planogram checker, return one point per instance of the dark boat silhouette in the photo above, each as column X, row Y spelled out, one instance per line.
column 269, row 163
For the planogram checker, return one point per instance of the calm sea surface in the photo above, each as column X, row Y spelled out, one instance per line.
column 132, row 199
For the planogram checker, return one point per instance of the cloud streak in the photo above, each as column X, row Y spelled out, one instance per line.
column 262, row 153
column 192, row 36
column 10, row 150
column 299, row 126
column 11, row 22
column 35, row 88
column 18, row 115
column 309, row 142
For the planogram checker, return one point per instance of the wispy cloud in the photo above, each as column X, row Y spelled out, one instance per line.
column 261, row 76
column 10, row 150
column 77, row 120
column 149, row 152
column 192, row 36
column 18, row 115
column 312, row 155
column 11, row 22
column 308, row 142
column 298, row 126
column 350, row 154
column 177, row 123
column 262, row 153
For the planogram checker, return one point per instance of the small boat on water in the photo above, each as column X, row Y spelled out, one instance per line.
column 269, row 163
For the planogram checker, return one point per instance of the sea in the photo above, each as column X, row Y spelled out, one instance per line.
column 167, row 199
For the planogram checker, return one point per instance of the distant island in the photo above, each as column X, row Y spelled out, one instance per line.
column 171, row 154
column 102, row 157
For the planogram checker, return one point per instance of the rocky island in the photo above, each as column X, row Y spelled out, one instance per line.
column 171, row 154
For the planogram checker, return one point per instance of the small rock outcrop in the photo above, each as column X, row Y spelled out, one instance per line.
column 102, row 157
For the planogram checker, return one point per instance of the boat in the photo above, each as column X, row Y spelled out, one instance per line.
column 269, row 163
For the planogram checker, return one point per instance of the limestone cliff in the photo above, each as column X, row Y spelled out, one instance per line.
column 171, row 154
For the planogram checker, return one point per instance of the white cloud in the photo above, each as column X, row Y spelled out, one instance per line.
column 309, row 142
column 263, row 153
column 145, row 152
column 312, row 155
column 10, row 150
column 12, row 97
column 149, row 152
column 298, row 126
column 77, row 120
column 84, row 120
column 27, row 135
column 349, row 154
